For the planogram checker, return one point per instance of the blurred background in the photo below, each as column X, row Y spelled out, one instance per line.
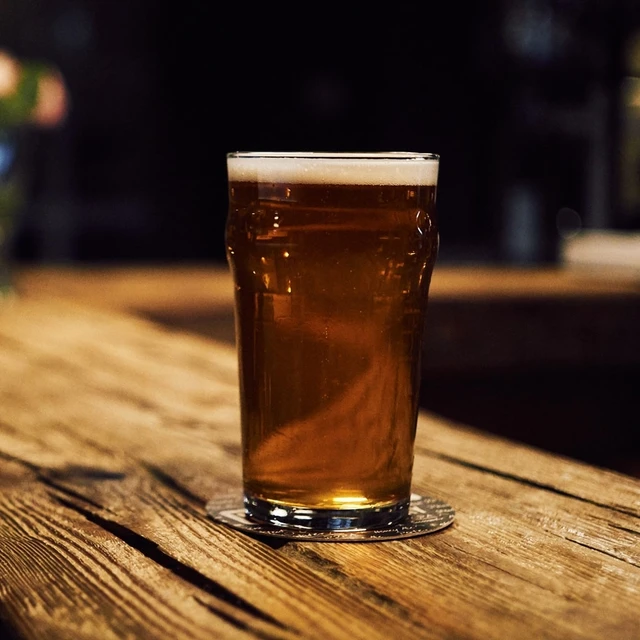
column 533, row 105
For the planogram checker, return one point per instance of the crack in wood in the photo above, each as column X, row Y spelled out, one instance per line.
column 606, row 553
column 336, row 573
column 70, row 492
column 25, row 463
column 48, row 478
column 239, row 624
column 526, row 481
column 498, row 567
column 79, row 472
column 625, row 529
column 168, row 481
column 152, row 551
column 171, row 483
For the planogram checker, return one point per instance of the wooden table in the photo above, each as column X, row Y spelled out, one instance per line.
column 518, row 315
column 547, row 356
column 114, row 433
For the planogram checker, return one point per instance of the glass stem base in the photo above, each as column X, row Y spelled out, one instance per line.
column 296, row 517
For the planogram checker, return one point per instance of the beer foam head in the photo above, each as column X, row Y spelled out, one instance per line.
column 395, row 168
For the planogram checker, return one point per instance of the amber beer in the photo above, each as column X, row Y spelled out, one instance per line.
column 332, row 257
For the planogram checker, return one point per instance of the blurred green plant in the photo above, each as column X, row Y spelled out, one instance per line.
column 32, row 94
column 17, row 107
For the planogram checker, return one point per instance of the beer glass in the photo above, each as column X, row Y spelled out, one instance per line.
column 332, row 255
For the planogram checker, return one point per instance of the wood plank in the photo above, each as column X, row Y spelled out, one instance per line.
column 479, row 317
column 137, row 496
column 64, row 576
column 556, row 474
column 466, row 282
column 160, row 542
column 143, row 289
column 125, row 430
column 196, row 289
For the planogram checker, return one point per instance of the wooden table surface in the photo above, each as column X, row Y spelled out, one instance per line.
column 115, row 432
column 195, row 288
column 479, row 317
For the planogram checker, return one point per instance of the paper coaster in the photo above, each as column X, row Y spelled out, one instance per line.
column 426, row 515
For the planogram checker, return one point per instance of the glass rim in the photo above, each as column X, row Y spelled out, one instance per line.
column 336, row 155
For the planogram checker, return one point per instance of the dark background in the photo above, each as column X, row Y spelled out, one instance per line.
column 533, row 105
column 523, row 99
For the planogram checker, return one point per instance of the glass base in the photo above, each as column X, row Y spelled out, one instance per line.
column 265, row 512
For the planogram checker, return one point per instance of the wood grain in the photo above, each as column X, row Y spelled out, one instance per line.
column 480, row 317
column 179, row 289
column 114, row 433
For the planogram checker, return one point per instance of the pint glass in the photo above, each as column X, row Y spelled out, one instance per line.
column 332, row 255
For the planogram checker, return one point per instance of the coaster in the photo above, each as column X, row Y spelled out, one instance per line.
column 426, row 515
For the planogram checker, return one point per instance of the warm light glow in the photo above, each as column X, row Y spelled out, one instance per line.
column 9, row 74
column 51, row 107
column 52, row 100
column 350, row 499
